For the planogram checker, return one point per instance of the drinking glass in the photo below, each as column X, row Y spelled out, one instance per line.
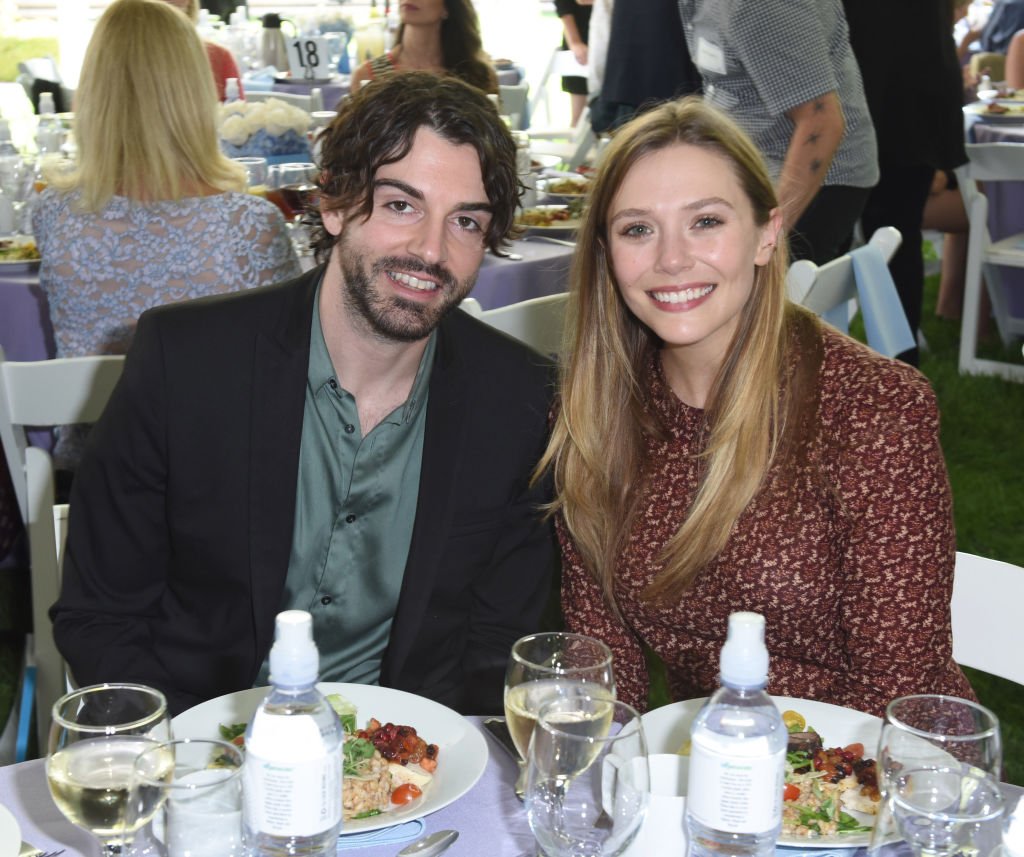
column 939, row 762
column 96, row 735
column 191, row 792
column 256, row 174
column 294, row 189
column 543, row 667
column 587, row 781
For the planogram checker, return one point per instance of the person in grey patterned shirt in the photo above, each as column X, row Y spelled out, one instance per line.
column 784, row 71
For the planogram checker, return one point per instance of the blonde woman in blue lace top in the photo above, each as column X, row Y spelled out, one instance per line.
column 154, row 212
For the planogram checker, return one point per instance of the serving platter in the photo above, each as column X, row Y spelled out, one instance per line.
column 668, row 729
column 461, row 760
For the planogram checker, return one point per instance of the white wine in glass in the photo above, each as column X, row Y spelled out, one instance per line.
column 96, row 735
column 543, row 667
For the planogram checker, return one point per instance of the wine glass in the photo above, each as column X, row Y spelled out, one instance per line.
column 587, row 781
column 939, row 763
column 256, row 174
column 97, row 733
column 186, row 800
column 543, row 667
column 294, row 190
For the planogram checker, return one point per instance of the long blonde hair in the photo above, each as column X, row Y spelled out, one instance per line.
column 596, row 448
column 146, row 111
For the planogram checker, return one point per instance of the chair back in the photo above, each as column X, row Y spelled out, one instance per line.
column 986, row 259
column 833, row 291
column 513, row 99
column 46, row 393
column 538, row 322
column 988, row 633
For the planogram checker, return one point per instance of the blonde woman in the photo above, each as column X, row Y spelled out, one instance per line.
column 719, row 449
column 440, row 36
column 153, row 212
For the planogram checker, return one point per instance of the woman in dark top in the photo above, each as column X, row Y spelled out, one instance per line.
column 575, row 17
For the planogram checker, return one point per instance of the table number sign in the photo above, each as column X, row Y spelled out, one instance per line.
column 309, row 58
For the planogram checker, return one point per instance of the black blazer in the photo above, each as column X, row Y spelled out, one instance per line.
column 182, row 509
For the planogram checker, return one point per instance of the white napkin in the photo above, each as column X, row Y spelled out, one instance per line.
column 384, row 836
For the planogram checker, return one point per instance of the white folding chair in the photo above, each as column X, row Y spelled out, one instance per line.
column 989, row 162
column 310, row 103
column 538, row 322
column 831, row 290
column 513, row 98
column 988, row 634
column 573, row 145
column 46, row 393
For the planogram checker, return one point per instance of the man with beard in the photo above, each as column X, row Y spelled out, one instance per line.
column 348, row 443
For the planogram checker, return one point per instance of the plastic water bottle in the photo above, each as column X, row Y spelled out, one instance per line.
column 49, row 134
column 292, row 772
column 737, row 754
column 232, row 92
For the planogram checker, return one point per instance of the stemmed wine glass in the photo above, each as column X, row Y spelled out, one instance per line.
column 294, row 190
column 96, row 735
column 587, row 781
column 543, row 667
column 939, row 763
column 256, row 174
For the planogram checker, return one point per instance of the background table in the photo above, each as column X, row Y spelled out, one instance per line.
column 1005, row 206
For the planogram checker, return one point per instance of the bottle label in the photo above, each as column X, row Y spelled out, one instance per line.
column 737, row 792
column 292, row 784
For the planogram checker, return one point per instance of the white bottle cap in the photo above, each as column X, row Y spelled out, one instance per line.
column 744, row 660
column 231, row 90
column 46, row 103
column 1013, row 836
column 294, row 659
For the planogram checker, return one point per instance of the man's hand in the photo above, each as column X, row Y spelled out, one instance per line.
column 818, row 128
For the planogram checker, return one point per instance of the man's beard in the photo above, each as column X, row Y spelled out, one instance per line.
column 390, row 317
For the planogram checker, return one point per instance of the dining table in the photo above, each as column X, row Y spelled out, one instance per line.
column 534, row 268
column 490, row 820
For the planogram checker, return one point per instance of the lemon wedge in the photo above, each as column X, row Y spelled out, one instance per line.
column 794, row 721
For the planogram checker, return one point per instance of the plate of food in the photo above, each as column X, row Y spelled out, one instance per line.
column 831, row 795
column 996, row 111
column 444, row 764
column 19, row 252
column 567, row 187
column 549, row 217
column 540, row 161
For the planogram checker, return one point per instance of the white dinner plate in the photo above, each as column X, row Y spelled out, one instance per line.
column 1014, row 111
column 544, row 161
column 544, row 186
column 557, row 225
column 10, row 833
column 668, row 728
column 461, row 760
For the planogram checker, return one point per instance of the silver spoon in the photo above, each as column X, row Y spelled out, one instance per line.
column 430, row 845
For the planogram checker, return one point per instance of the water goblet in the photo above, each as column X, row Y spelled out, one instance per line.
column 587, row 782
column 186, row 800
column 256, row 174
column 543, row 667
column 939, row 764
column 96, row 735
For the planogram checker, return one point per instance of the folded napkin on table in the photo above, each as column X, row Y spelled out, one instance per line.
column 384, row 836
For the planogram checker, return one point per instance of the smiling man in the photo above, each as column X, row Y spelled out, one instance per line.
column 348, row 443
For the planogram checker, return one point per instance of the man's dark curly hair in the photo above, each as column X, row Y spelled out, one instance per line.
column 376, row 126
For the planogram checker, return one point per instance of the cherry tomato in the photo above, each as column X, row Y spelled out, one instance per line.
column 405, row 793
column 790, row 792
column 238, row 740
column 855, row 751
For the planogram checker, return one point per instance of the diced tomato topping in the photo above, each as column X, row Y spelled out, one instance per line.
column 790, row 792
column 405, row 793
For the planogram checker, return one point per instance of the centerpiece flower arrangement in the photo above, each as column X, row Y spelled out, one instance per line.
column 262, row 128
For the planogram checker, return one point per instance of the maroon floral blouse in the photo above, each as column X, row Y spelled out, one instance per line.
column 850, row 561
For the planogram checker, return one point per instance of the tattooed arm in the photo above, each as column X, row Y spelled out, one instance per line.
column 818, row 127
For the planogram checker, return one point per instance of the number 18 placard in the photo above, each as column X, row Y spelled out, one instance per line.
column 309, row 58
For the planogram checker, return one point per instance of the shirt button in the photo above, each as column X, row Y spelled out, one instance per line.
column 333, row 383
column 350, row 519
column 326, row 600
column 349, row 428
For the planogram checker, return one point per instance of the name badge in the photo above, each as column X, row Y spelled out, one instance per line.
column 709, row 56
column 309, row 58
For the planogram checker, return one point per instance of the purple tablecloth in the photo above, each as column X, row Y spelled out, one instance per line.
column 1005, row 207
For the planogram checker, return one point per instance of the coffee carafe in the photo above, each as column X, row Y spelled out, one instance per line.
column 274, row 51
